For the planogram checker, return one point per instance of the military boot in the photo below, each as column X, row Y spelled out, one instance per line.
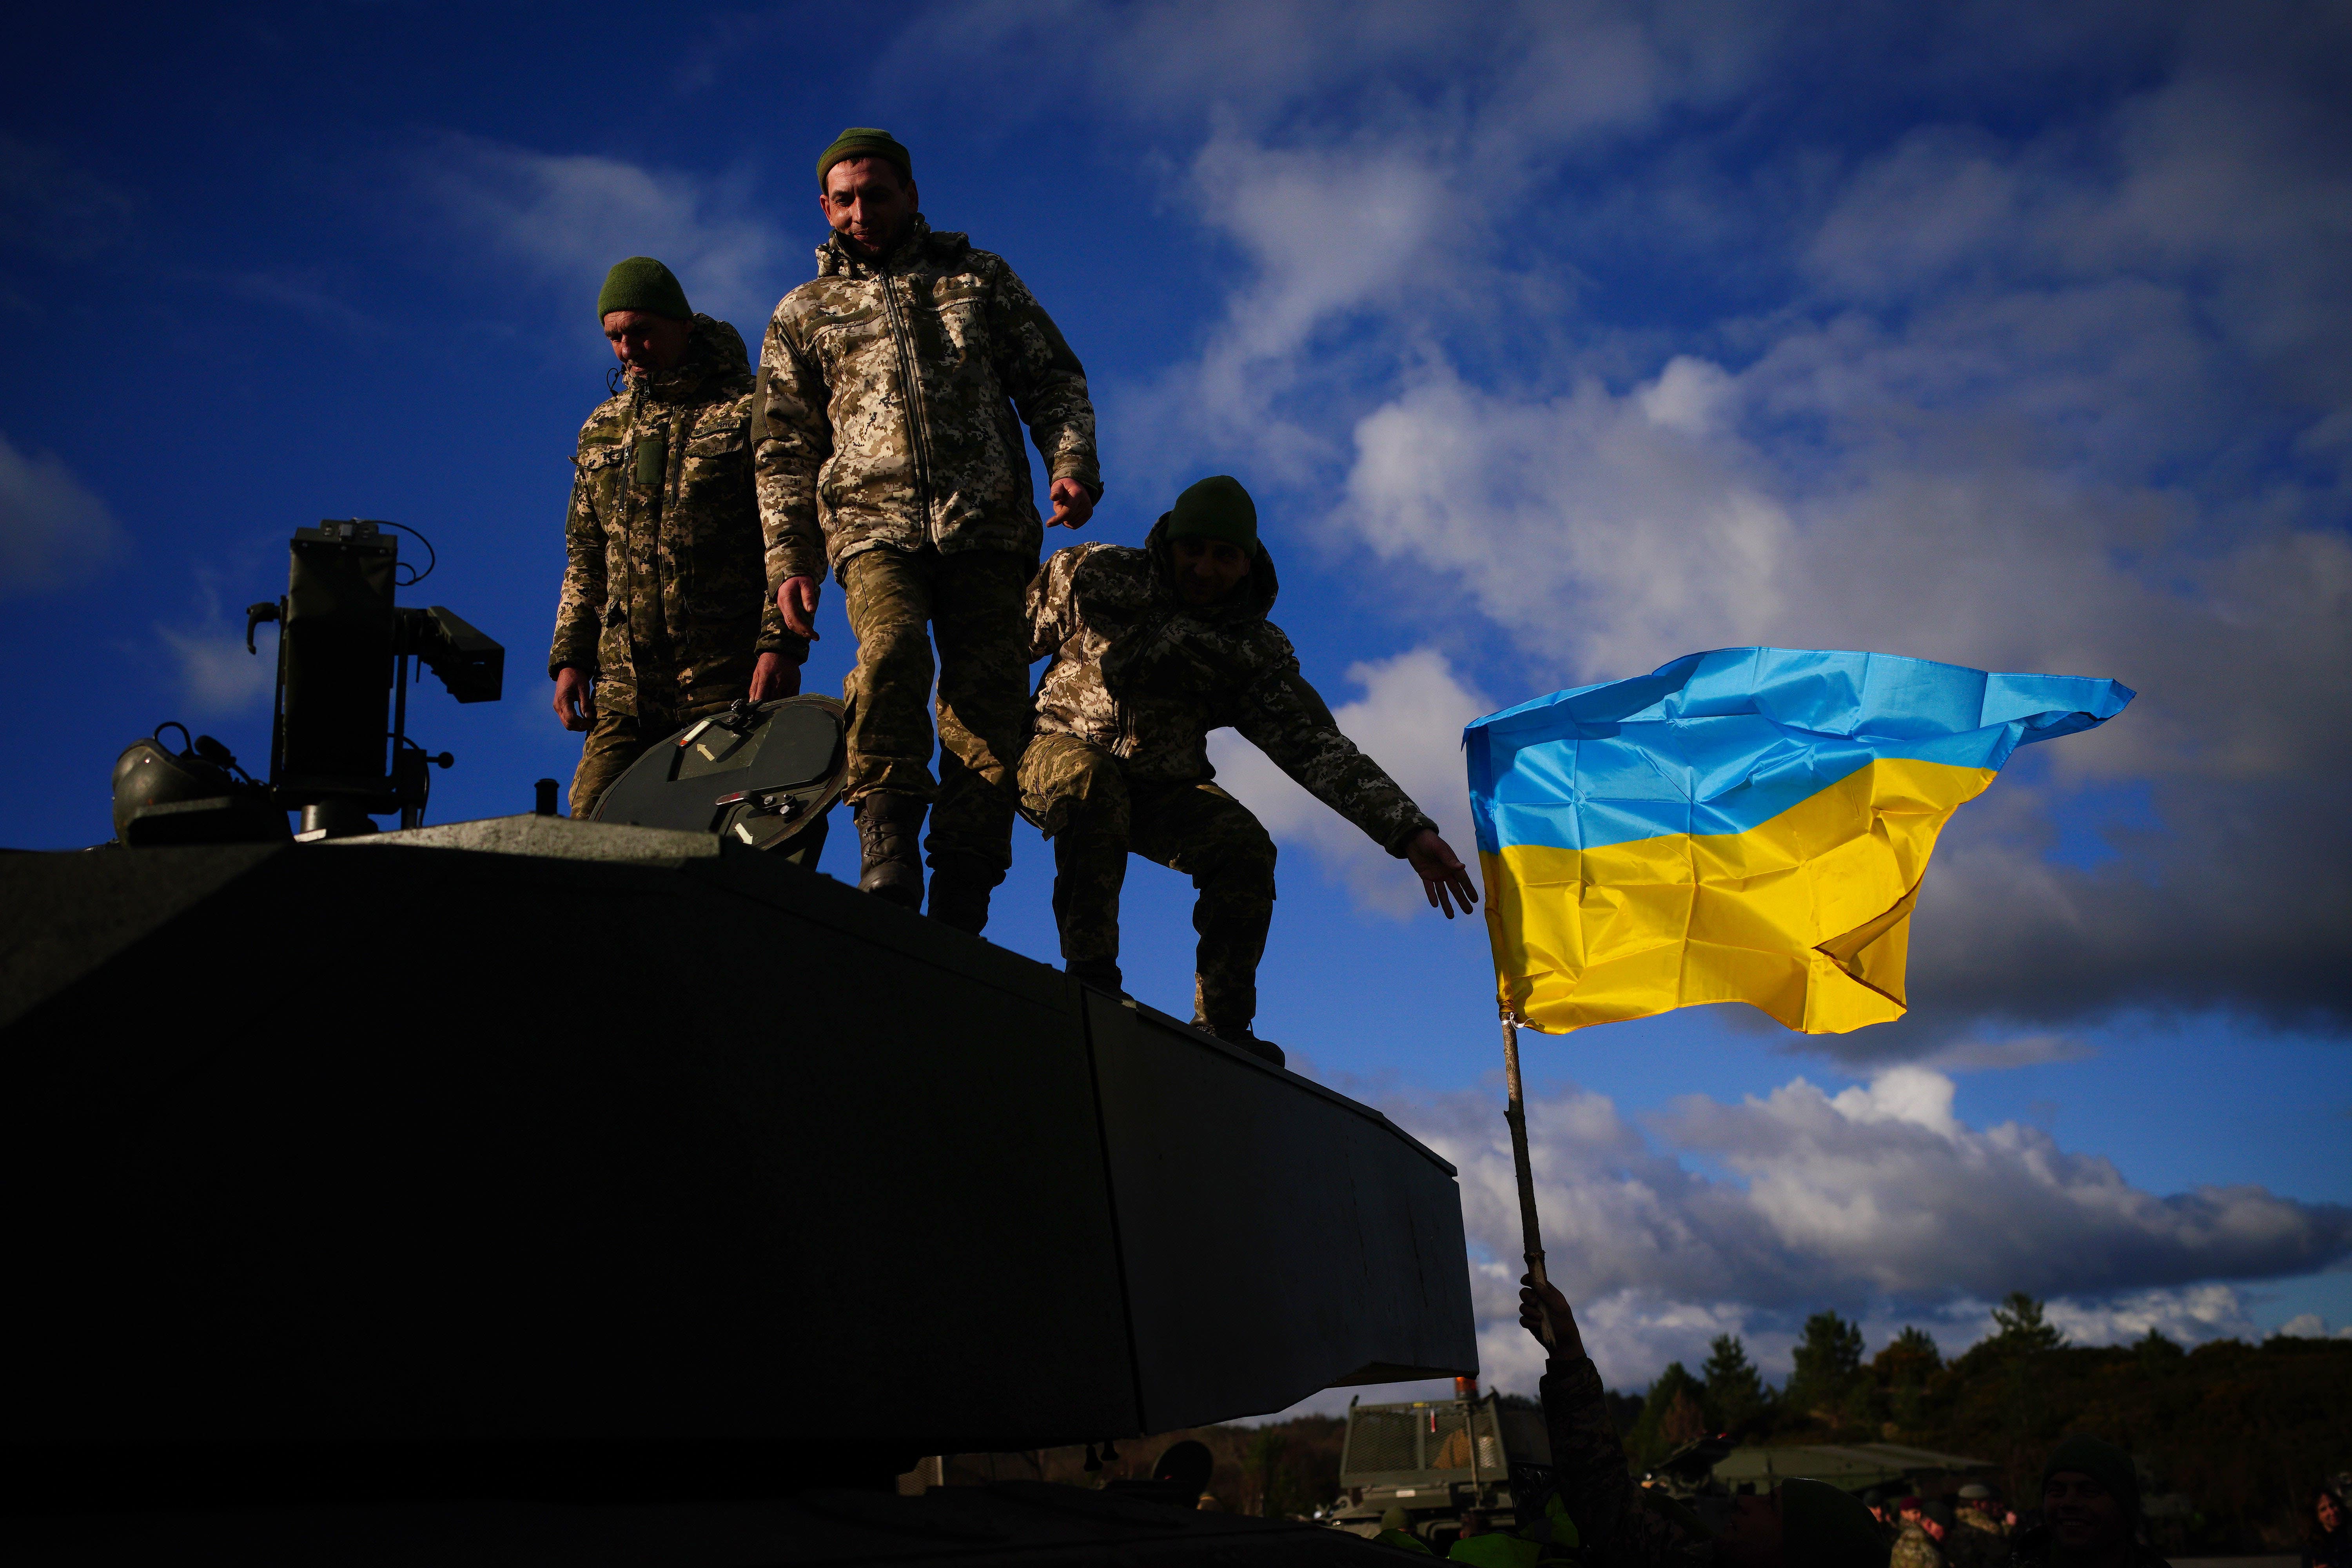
column 889, row 825
column 1102, row 973
column 961, row 884
column 1239, row 1035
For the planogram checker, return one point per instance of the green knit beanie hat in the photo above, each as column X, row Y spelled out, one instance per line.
column 1826, row 1525
column 864, row 142
column 641, row 283
column 2102, row 1462
column 1216, row 508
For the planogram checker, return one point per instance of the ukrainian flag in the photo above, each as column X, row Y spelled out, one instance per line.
column 1749, row 825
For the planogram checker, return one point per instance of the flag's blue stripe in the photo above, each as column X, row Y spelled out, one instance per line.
column 1724, row 741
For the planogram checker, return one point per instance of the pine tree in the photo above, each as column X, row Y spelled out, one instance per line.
column 1915, row 1347
column 1734, row 1394
column 1902, row 1370
column 1649, row 1442
column 1684, row 1422
column 2019, row 1330
column 1828, row 1364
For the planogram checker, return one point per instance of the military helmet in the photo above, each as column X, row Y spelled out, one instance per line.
column 149, row 773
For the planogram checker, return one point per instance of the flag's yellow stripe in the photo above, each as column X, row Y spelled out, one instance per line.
column 1806, row 916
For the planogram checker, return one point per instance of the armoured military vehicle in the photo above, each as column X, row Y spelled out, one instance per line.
column 537, row 1190
column 1436, row 1458
column 1855, row 1466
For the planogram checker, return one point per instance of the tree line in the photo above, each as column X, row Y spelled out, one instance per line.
column 2242, row 1433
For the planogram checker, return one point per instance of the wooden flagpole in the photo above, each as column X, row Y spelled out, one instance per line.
column 1515, row 1111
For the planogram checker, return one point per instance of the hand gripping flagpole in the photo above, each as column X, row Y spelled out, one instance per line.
column 1515, row 1111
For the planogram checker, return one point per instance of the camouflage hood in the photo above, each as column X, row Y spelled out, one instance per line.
column 1141, row 656
column 714, row 355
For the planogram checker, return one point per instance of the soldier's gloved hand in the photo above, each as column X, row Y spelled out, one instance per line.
column 774, row 676
column 1073, row 504
column 1442, row 876
column 574, row 703
column 797, row 599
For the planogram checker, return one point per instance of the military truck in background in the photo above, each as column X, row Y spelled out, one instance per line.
column 1436, row 1458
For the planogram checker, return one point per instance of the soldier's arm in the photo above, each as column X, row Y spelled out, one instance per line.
column 1051, row 618
column 580, row 604
column 1045, row 380
column 1286, row 718
column 774, row 636
column 1589, row 1468
column 791, row 437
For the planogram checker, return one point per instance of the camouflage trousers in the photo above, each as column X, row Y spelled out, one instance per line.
column 617, row 739
column 974, row 605
column 1097, row 817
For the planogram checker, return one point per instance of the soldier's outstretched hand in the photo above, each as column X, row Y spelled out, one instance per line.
column 1073, row 504
column 1539, row 1302
column 1442, row 876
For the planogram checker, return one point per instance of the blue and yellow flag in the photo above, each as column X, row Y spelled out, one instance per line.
column 1749, row 825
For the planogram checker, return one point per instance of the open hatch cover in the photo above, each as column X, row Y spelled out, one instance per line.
column 763, row 776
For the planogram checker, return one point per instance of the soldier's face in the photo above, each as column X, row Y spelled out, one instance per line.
column 2084, row 1517
column 646, row 344
column 1207, row 569
column 864, row 199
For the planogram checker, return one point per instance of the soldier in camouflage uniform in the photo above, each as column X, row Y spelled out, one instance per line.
column 1977, row 1539
column 1622, row 1525
column 664, row 614
column 1914, row 1547
column 1153, row 649
column 890, row 450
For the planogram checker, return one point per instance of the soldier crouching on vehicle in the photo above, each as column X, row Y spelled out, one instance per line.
column 1154, row 648
column 664, row 616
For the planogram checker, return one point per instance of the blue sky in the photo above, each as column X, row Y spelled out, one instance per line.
column 1556, row 340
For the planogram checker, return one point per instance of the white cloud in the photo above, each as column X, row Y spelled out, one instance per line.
column 1326, row 233
column 1596, row 532
column 1876, row 1201
column 2186, row 1316
column 2312, row 1326
column 567, row 217
column 217, row 676
column 1553, row 72
column 54, row 530
column 1410, row 720
column 1356, row 192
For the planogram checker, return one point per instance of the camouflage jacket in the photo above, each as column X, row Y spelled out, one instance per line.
column 1141, row 675
column 1914, row 1548
column 1619, row 1527
column 887, row 403
column 1976, row 1542
column 663, row 587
